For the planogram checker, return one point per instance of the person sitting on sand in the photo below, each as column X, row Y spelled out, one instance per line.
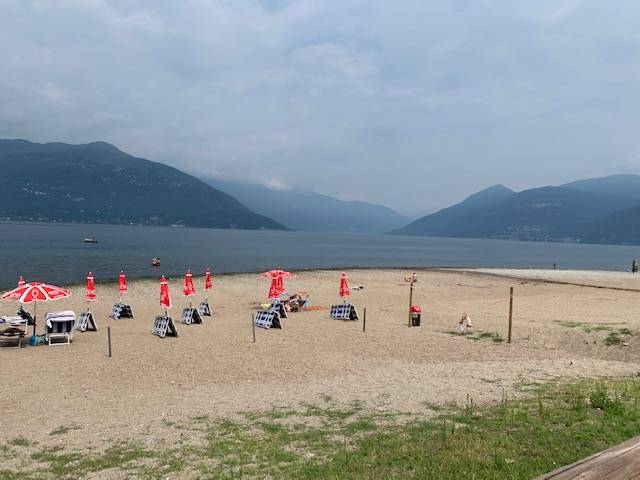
column 464, row 325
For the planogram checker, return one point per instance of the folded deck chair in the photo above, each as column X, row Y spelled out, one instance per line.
column 59, row 326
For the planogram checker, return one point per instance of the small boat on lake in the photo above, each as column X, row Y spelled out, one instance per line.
column 90, row 240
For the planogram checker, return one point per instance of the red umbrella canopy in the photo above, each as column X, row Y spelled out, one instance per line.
column 165, row 299
column 278, row 273
column 344, row 287
column 91, row 287
column 277, row 282
column 189, row 289
column 21, row 281
column 122, row 282
column 208, row 282
column 36, row 292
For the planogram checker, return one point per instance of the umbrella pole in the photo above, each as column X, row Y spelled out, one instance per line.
column 35, row 314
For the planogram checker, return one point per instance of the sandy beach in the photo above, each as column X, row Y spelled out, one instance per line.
column 214, row 369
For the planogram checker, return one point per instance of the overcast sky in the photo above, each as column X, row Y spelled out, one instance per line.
column 409, row 103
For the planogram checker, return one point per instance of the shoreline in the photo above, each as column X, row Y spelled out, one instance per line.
column 514, row 273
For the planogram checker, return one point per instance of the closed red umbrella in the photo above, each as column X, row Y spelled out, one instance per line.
column 91, row 287
column 165, row 299
column 344, row 287
column 122, row 283
column 208, row 282
column 274, row 291
column 21, row 281
column 279, row 284
column 189, row 288
column 36, row 292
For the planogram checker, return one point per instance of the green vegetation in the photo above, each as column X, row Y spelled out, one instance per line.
column 62, row 429
column 618, row 337
column 516, row 438
column 495, row 336
column 19, row 442
column 615, row 337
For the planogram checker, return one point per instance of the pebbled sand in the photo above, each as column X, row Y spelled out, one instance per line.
column 214, row 369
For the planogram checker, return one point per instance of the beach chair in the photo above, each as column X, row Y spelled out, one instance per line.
column 203, row 309
column 13, row 333
column 343, row 311
column 164, row 327
column 267, row 319
column 278, row 307
column 59, row 327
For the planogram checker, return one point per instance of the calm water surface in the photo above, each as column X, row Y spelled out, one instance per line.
column 56, row 253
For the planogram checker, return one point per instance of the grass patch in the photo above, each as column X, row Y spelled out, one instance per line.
column 19, row 442
column 62, row 429
column 615, row 337
column 618, row 337
column 495, row 336
column 514, row 438
column 570, row 324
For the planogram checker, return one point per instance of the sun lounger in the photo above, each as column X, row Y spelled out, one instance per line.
column 59, row 326
column 10, row 330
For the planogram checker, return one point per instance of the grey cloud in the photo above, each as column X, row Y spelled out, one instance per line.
column 413, row 103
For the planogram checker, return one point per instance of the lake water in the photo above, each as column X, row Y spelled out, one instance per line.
column 56, row 253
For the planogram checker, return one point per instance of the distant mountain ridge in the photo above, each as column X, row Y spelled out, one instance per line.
column 98, row 183
column 310, row 211
column 627, row 186
column 602, row 210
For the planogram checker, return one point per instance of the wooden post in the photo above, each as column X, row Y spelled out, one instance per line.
column 109, row 339
column 510, row 314
column 253, row 327
column 410, row 302
column 364, row 320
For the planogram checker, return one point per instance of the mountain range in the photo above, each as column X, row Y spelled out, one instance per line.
column 598, row 210
column 304, row 210
column 97, row 183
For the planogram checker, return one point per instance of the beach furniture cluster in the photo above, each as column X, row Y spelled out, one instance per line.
column 343, row 311
column 120, row 309
column 59, row 326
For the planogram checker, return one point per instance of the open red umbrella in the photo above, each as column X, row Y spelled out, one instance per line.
column 21, row 281
column 91, row 287
column 36, row 292
column 165, row 299
column 277, row 282
column 344, row 287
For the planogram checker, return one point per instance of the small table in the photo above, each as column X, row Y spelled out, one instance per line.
column 16, row 336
